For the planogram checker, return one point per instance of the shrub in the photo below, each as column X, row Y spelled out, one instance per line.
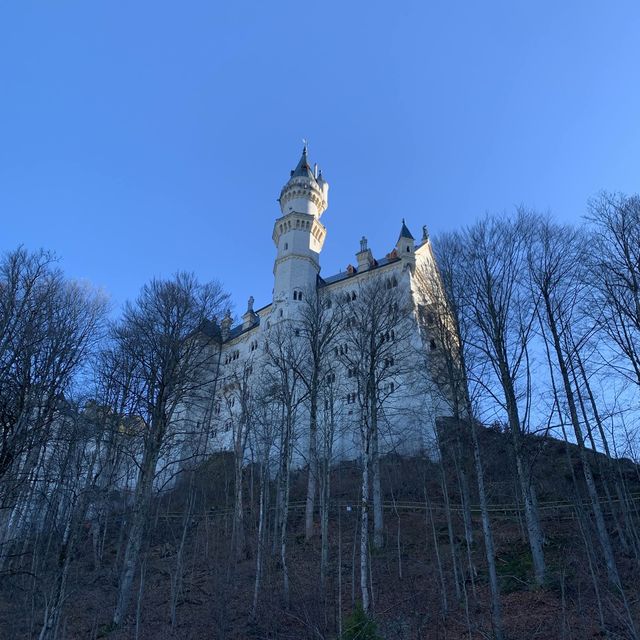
column 359, row 626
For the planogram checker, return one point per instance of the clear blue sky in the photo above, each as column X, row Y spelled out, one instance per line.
column 139, row 138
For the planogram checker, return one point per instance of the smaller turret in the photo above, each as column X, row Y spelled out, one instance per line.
column 364, row 256
column 249, row 317
column 324, row 186
column 406, row 245
column 225, row 325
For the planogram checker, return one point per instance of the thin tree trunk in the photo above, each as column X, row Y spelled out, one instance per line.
column 312, row 480
column 262, row 515
column 436, row 548
column 136, row 533
column 378, row 523
column 532, row 519
column 364, row 533
column 603, row 534
column 324, row 521
column 238, row 533
column 496, row 601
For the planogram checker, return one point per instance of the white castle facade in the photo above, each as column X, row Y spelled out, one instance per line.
column 407, row 401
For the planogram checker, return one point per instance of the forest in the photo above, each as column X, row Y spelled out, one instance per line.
column 122, row 515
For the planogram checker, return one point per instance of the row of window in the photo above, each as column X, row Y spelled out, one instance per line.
column 351, row 398
column 231, row 356
column 300, row 224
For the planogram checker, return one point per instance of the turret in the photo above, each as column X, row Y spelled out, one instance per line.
column 225, row 325
column 249, row 317
column 406, row 244
column 298, row 234
column 364, row 256
column 304, row 192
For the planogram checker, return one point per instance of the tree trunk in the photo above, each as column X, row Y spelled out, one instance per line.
column 324, row 520
column 496, row 601
column 312, row 480
column 364, row 532
column 603, row 535
column 378, row 523
column 286, row 454
column 136, row 533
column 262, row 516
column 534, row 532
column 238, row 533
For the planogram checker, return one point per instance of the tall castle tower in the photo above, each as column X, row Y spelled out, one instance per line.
column 298, row 234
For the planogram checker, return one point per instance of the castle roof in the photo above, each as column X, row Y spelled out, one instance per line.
column 303, row 170
column 404, row 232
column 343, row 275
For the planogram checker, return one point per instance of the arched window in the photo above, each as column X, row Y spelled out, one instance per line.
column 432, row 345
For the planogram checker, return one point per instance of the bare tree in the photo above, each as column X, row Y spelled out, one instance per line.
column 377, row 327
column 446, row 316
column 262, row 440
column 556, row 261
column 615, row 270
column 48, row 328
column 238, row 397
column 502, row 312
column 318, row 324
column 284, row 361
column 162, row 333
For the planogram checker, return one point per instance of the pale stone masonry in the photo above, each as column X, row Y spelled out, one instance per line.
column 412, row 403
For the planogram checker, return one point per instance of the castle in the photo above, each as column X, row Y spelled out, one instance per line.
column 407, row 401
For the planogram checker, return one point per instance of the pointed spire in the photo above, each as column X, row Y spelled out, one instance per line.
column 404, row 232
column 303, row 169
